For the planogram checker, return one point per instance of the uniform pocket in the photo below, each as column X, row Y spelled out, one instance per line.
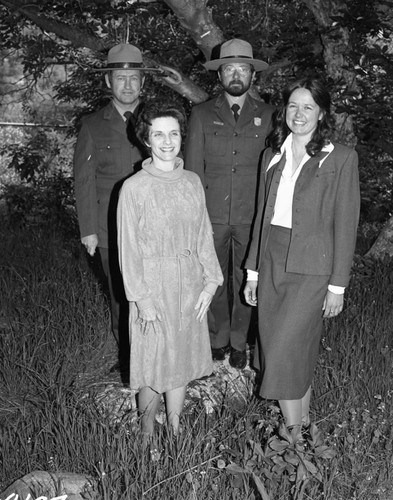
column 109, row 162
column 253, row 145
column 216, row 142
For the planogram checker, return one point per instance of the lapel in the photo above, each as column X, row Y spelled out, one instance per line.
column 114, row 120
column 247, row 113
column 310, row 168
column 274, row 174
column 224, row 112
column 226, row 115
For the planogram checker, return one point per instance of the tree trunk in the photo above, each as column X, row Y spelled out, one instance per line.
column 383, row 245
column 197, row 20
column 337, row 45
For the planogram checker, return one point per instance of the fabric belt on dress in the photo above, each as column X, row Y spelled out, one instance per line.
column 179, row 257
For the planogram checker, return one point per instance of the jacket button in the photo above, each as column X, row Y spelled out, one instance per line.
column 234, row 169
column 235, row 152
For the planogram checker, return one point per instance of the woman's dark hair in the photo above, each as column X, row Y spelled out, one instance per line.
column 156, row 109
column 322, row 133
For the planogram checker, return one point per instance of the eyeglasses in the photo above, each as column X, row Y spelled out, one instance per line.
column 242, row 70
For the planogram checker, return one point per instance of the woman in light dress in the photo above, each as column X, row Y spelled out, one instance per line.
column 170, row 269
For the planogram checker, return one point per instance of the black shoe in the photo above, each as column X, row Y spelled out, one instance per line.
column 238, row 359
column 219, row 353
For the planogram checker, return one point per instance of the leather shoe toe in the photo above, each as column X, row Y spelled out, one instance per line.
column 238, row 359
column 219, row 353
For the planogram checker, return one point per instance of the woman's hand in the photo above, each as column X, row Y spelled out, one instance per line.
column 202, row 306
column 333, row 304
column 149, row 314
column 148, row 320
column 250, row 292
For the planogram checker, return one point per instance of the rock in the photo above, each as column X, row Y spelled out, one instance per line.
column 49, row 486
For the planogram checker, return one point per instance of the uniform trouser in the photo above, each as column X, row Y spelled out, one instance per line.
column 118, row 300
column 230, row 326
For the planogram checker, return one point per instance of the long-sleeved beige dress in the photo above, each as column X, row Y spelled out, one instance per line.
column 167, row 258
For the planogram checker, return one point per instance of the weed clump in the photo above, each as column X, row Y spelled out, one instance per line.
column 55, row 350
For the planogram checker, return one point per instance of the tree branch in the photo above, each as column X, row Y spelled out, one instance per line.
column 195, row 17
column 62, row 30
column 78, row 38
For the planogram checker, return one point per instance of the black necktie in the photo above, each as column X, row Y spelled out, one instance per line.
column 130, row 118
column 235, row 108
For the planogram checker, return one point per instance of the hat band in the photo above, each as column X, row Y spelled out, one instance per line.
column 236, row 56
column 124, row 65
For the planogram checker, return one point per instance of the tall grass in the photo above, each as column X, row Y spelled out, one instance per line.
column 55, row 348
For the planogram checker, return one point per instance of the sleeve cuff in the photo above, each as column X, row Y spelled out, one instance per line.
column 339, row 290
column 144, row 303
column 252, row 275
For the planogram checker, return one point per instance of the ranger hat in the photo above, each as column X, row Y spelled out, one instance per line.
column 125, row 56
column 236, row 51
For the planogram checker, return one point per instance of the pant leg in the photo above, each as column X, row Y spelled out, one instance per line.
column 118, row 300
column 218, row 314
column 241, row 312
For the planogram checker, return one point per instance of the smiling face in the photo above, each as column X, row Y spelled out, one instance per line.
column 164, row 141
column 126, row 85
column 236, row 78
column 302, row 113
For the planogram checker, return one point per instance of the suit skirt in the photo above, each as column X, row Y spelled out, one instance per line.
column 290, row 322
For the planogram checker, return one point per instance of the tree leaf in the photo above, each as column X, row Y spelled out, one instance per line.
column 310, row 467
column 261, row 487
column 236, row 469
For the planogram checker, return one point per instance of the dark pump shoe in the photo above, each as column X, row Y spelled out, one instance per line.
column 219, row 353
column 238, row 359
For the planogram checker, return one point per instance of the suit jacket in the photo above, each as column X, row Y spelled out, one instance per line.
column 325, row 214
column 226, row 155
column 104, row 157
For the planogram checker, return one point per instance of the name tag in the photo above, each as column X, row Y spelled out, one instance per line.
column 218, row 123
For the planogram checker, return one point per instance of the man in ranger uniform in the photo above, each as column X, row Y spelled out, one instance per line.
column 226, row 137
column 106, row 153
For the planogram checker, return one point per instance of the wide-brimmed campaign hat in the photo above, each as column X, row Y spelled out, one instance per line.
column 125, row 56
column 236, row 51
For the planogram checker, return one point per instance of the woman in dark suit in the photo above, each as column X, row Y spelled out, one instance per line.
column 302, row 244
